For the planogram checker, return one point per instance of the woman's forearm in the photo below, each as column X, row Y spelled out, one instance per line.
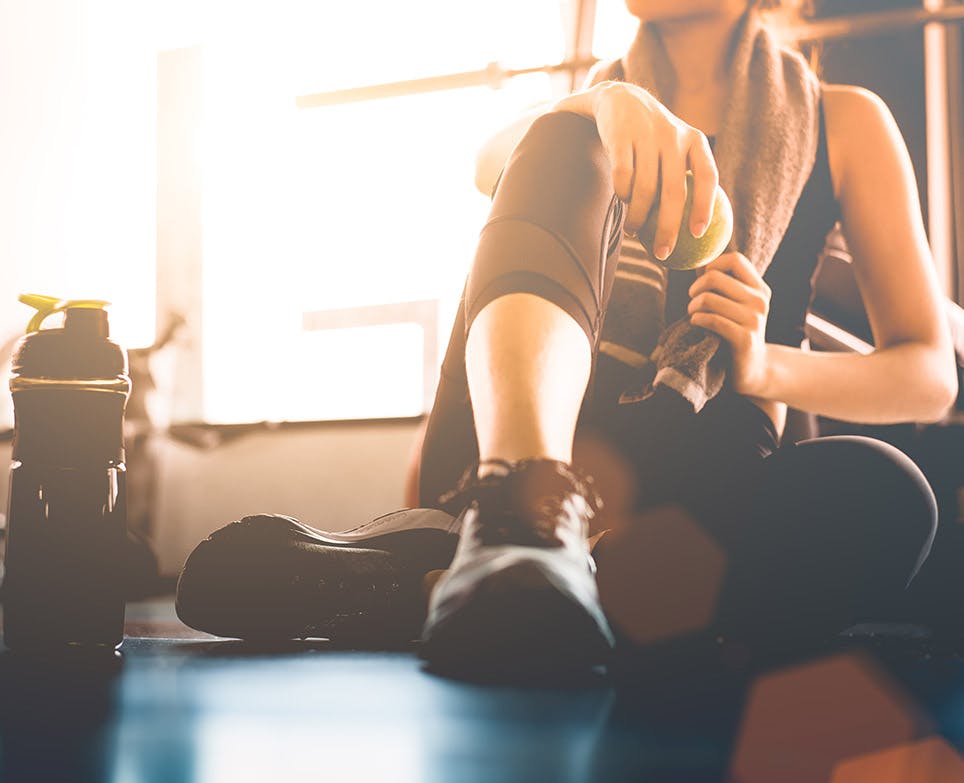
column 909, row 382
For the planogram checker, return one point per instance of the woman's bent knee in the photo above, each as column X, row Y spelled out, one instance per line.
column 554, row 225
column 865, row 484
column 565, row 137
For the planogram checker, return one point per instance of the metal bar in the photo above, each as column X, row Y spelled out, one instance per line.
column 939, row 216
column 955, row 92
column 493, row 75
column 954, row 44
column 829, row 336
column 876, row 23
column 579, row 45
column 180, row 234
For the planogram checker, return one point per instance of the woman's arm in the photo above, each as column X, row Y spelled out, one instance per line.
column 910, row 376
column 649, row 148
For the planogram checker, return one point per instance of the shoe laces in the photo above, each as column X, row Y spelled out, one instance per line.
column 525, row 501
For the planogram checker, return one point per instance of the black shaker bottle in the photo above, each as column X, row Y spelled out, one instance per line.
column 66, row 521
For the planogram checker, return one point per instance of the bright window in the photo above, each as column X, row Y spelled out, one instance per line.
column 77, row 156
column 314, row 220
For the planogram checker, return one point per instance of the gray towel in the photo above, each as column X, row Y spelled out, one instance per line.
column 765, row 151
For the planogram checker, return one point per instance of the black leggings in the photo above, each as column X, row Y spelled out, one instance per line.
column 832, row 527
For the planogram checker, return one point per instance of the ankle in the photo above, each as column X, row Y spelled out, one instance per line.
column 522, row 450
column 502, row 465
column 528, row 479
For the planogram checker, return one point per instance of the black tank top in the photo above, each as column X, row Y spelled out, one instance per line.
column 794, row 265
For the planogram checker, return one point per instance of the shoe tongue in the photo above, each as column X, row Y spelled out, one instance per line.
column 526, row 504
column 548, row 478
column 530, row 488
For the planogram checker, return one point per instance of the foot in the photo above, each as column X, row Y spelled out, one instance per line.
column 520, row 594
column 269, row 578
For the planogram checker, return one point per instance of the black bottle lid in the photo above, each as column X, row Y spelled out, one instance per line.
column 80, row 349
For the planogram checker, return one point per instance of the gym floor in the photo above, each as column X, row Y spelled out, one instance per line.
column 881, row 705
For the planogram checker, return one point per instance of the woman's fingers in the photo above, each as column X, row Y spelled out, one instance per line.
column 645, row 182
column 740, row 267
column 609, row 114
column 705, row 180
column 672, row 200
column 731, row 299
column 730, row 287
column 740, row 313
column 621, row 158
column 650, row 149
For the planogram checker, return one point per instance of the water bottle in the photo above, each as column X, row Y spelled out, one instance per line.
column 66, row 521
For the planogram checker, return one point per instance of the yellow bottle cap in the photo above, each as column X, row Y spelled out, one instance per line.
column 48, row 305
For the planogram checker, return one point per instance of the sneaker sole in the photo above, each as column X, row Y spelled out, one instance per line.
column 271, row 578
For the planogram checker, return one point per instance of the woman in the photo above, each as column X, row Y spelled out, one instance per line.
column 814, row 531
column 561, row 293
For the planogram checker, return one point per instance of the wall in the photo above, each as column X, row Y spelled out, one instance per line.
column 332, row 476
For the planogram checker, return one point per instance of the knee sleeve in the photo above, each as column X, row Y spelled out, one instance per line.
column 555, row 224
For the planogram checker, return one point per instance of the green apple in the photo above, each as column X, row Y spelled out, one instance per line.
column 692, row 252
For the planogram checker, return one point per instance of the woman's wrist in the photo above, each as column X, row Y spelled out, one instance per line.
column 767, row 386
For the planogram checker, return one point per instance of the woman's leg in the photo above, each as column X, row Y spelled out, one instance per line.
column 520, row 592
column 519, row 358
column 837, row 529
column 765, row 545
column 527, row 363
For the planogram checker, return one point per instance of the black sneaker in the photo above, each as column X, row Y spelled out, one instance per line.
column 270, row 577
column 520, row 595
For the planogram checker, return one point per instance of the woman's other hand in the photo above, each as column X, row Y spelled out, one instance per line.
column 731, row 299
column 650, row 150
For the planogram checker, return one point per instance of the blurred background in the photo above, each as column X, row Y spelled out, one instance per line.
column 284, row 255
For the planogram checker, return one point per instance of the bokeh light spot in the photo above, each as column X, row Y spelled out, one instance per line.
column 660, row 575
column 931, row 760
column 799, row 723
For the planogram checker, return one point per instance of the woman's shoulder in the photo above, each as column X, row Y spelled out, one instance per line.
column 849, row 103
column 859, row 126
